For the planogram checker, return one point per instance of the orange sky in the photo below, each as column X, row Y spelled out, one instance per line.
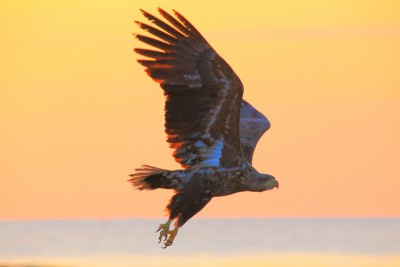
column 78, row 114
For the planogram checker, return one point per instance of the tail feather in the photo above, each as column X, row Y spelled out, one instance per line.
column 145, row 177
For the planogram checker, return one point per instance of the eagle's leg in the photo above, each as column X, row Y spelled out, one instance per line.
column 182, row 207
column 172, row 234
column 164, row 228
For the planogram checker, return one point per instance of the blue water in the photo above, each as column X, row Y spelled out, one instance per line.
column 88, row 238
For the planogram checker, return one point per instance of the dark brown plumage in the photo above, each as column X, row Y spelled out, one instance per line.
column 212, row 130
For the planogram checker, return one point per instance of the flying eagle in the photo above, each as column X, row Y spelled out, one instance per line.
column 212, row 130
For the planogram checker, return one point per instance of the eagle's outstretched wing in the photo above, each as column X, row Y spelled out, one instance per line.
column 253, row 124
column 203, row 94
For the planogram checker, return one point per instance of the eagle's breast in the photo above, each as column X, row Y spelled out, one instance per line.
column 218, row 181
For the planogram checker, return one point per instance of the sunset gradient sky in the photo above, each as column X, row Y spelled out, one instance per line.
column 78, row 114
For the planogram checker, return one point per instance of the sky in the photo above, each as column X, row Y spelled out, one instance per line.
column 78, row 114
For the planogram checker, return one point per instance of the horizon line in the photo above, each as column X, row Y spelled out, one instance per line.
column 199, row 218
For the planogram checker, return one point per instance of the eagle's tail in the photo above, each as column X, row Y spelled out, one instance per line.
column 149, row 178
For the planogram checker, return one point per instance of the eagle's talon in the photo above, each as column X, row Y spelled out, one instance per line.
column 164, row 228
column 167, row 244
column 172, row 234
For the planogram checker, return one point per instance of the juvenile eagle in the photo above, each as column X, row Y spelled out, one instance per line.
column 212, row 130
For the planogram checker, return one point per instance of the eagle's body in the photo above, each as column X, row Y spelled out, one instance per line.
column 212, row 130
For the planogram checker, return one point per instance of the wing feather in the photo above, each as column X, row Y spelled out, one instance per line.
column 174, row 22
column 253, row 124
column 162, row 24
column 151, row 53
column 153, row 42
column 203, row 94
column 160, row 34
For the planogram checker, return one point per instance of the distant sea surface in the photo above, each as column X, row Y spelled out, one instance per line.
column 134, row 242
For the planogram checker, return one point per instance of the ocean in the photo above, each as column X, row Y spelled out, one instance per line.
column 211, row 242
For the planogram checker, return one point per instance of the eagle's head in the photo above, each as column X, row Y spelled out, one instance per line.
column 263, row 182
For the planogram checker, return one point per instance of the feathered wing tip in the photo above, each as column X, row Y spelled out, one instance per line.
column 138, row 179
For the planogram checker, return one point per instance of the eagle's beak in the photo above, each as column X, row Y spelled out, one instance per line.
column 276, row 184
column 272, row 183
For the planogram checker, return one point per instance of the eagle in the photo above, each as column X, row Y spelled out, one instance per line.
column 211, row 128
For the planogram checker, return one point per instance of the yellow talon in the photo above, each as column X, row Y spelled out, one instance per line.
column 172, row 234
column 164, row 228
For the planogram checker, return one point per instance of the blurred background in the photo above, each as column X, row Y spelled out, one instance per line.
column 78, row 114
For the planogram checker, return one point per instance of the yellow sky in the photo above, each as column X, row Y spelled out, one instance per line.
column 78, row 114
